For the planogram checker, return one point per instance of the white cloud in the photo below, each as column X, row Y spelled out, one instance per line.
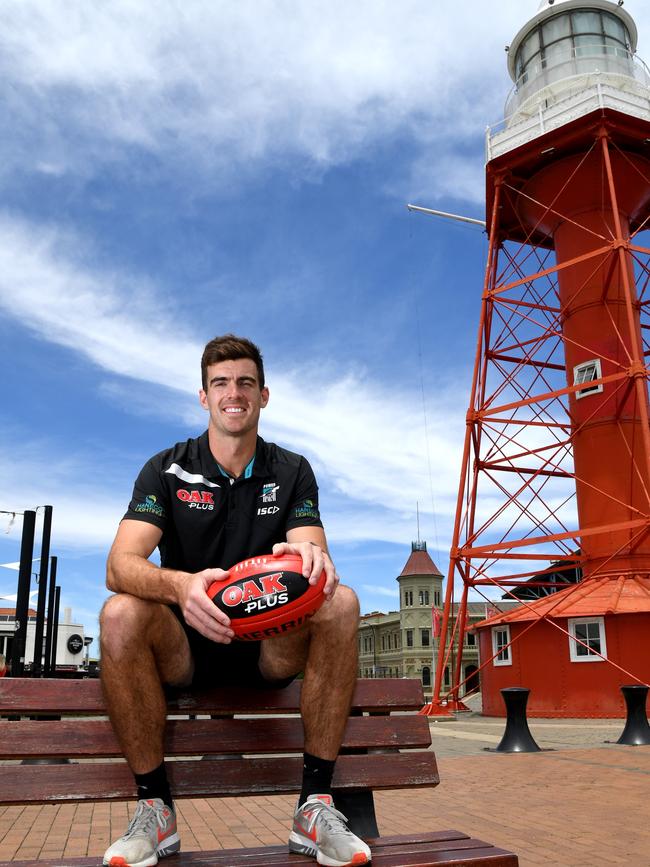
column 369, row 451
column 224, row 84
column 222, row 87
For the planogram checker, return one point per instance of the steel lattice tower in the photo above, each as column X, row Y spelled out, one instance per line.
column 556, row 459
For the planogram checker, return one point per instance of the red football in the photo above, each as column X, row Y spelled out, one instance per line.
column 266, row 596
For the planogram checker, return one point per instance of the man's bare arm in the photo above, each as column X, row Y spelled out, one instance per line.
column 129, row 570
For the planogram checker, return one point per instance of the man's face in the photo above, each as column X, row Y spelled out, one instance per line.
column 233, row 397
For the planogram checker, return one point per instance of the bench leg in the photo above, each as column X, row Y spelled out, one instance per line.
column 359, row 807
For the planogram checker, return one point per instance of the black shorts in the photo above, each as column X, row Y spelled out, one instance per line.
column 234, row 664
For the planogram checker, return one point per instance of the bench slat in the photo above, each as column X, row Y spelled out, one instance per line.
column 440, row 847
column 84, row 738
column 112, row 781
column 54, row 696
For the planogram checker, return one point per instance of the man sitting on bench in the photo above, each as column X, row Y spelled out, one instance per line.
column 200, row 502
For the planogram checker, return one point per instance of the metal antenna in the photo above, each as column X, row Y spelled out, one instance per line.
column 458, row 217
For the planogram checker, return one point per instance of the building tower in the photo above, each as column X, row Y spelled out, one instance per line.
column 420, row 594
column 402, row 643
column 556, row 463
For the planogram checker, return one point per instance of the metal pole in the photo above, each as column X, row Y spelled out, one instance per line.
column 50, row 618
column 42, row 592
column 459, row 217
column 55, row 630
column 22, row 597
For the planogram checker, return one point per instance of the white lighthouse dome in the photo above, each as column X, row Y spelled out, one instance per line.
column 571, row 57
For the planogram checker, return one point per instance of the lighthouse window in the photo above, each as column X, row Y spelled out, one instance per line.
column 588, row 371
column 569, row 35
column 614, row 27
column 500, row 645
column 587, row 639
column 587, row 22
column 556, row 28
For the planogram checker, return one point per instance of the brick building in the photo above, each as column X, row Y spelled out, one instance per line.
column 402, row 643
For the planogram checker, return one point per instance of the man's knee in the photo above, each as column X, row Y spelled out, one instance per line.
column 125, row 618
column 341, row 611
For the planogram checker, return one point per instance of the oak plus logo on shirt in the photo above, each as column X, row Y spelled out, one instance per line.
column 196, row 499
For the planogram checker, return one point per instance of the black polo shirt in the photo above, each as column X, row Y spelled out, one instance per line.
column 210, row 521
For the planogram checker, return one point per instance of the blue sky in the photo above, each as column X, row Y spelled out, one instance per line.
column 173, row 171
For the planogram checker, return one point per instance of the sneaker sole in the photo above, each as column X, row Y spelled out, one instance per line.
column 168, row 846
column 300, row 845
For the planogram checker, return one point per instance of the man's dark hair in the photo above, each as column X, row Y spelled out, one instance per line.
column 229, row 347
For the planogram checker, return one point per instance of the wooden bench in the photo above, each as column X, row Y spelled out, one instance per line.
column 259, row 752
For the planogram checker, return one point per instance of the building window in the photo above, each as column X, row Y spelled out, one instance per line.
column 425, row 637
column 436, row 598
column 470, row 639
column 408, row 598
column 424, row 597
column 426, row 676
column 409, row 638
column 447, row 675
column 587, row 372
column 500, row 648
column 591, row 631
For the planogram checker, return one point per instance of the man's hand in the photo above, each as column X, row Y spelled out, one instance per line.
column 314, row 560
column 199, row 610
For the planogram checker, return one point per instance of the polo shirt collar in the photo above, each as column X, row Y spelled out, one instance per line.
column 210, row 467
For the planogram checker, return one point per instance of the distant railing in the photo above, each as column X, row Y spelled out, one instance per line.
column 575, row 96
column 576, row 61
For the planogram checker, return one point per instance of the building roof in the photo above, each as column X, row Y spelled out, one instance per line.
column 590, row 598
column 419, row 562
column 30, row 611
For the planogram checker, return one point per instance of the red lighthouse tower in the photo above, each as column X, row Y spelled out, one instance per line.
column 556, row 467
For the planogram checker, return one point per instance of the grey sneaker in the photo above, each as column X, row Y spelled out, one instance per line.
column 151, row 835
column 319, row 830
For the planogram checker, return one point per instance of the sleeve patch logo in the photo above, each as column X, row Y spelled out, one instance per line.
column 150, row 505
column 308, row 509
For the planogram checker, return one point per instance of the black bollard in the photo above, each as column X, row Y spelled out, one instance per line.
column 517, row 737
column 637, row 730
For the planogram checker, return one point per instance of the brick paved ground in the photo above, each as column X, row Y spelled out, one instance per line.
column 583, row 804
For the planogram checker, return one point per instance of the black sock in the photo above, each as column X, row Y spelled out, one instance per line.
column 154, row 785
column 316, row 777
